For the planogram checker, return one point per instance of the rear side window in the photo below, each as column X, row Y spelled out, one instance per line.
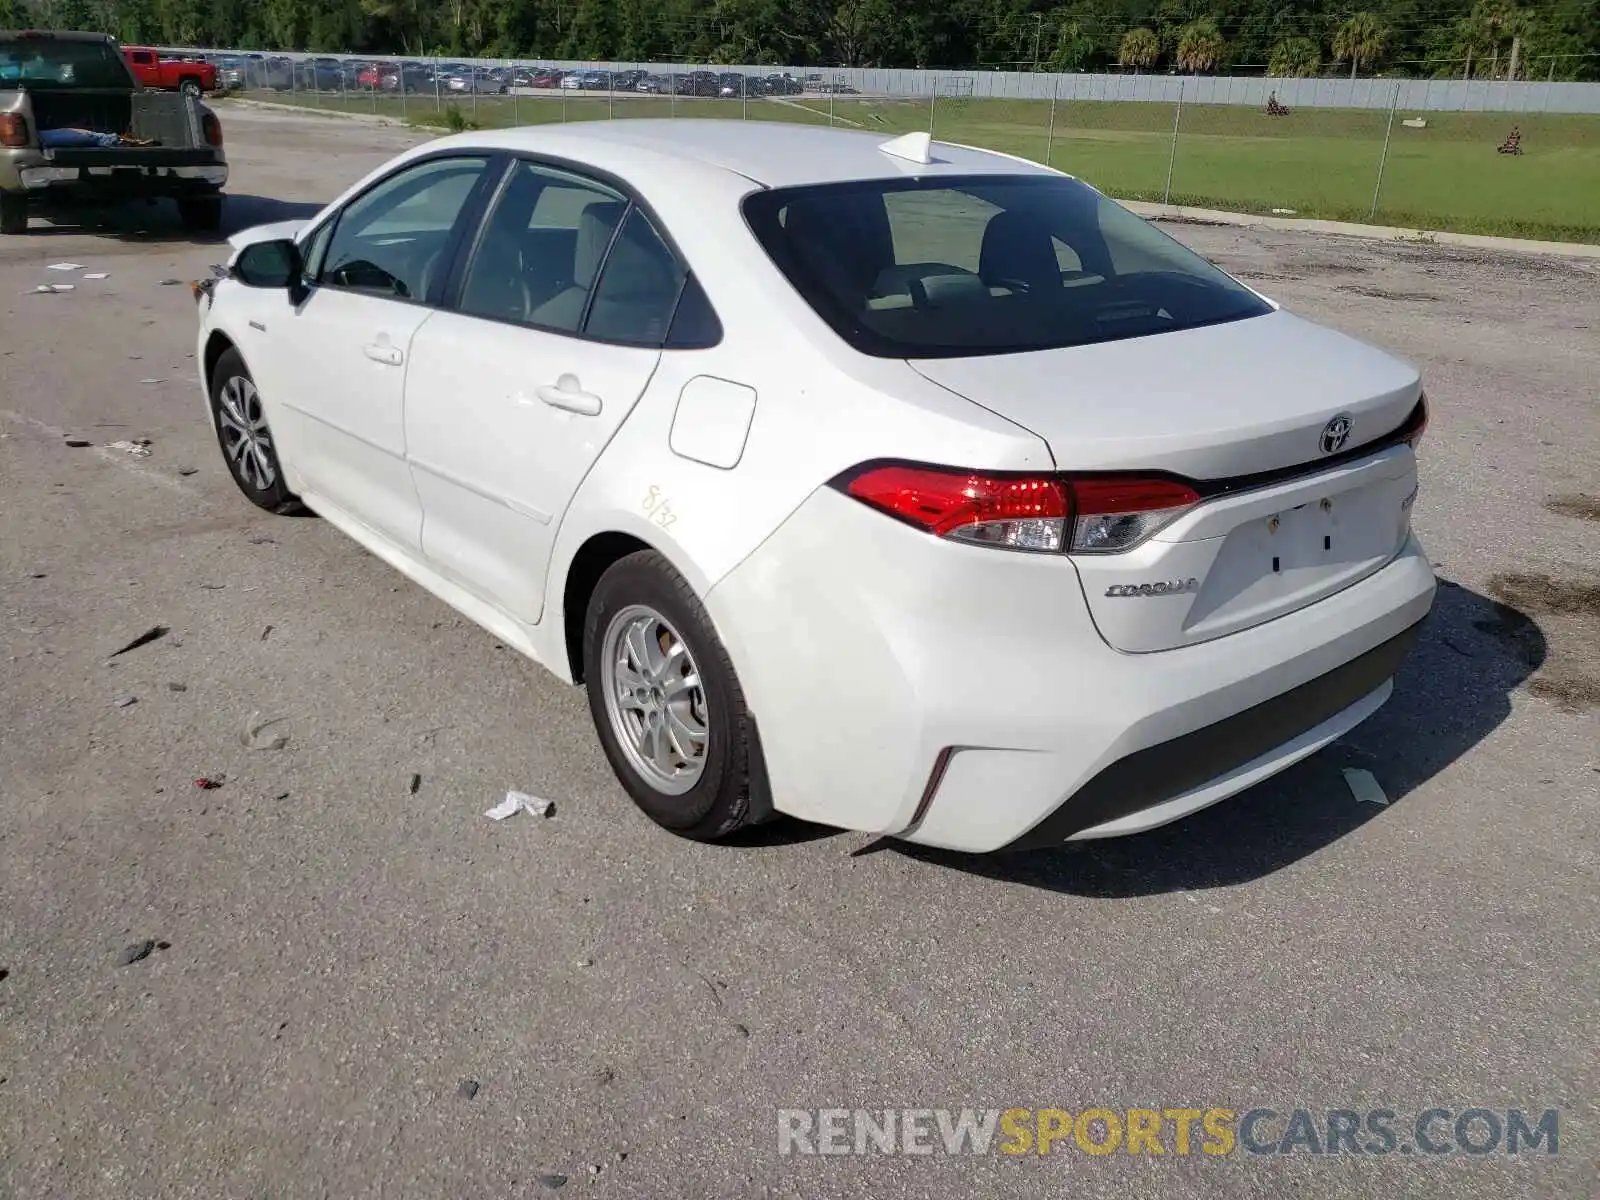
column 995, row 264
column 638, row 288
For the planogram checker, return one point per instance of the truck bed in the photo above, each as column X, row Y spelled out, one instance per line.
column 169, row 120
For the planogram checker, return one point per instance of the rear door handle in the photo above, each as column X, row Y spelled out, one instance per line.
column 382, row 352
column 567, row 394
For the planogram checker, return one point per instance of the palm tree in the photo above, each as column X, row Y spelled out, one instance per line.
column 1140, row 49
column 1361, row 39
column 1294, row 58
column 1200, row 46
column 1491, row 24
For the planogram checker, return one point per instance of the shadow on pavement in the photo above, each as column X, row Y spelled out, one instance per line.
column 157, row 222
column 1452, row 692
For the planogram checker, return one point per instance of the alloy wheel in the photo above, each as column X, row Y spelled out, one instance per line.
column 246, row 440
column 655, row 699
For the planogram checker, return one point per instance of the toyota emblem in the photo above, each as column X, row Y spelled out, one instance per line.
column 1336, row 433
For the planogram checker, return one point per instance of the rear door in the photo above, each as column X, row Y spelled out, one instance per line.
column 562, row 312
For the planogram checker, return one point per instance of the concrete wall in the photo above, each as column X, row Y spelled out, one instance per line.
column 1415, row 95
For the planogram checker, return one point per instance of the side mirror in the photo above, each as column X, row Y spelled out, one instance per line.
column 273, row 264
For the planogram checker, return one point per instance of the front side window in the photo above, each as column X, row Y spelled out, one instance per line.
column 975, row 265
column 392, row 240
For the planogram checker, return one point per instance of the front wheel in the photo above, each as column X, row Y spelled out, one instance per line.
column 248, row 446
column 667, row 705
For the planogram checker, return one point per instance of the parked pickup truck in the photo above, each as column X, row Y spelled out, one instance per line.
column 76, row 125
column 170, row 74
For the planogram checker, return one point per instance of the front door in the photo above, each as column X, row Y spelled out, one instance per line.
column 511, row 398
column 341, row 393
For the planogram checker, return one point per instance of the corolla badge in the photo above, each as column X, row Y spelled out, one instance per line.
column 1162, row 587
column 1336, row 433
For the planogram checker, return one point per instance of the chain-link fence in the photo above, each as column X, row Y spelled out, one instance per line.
column 1480, row 156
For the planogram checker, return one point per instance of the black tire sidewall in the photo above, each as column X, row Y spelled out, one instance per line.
column 276, row 498
column 719, row 800
column 13, row 213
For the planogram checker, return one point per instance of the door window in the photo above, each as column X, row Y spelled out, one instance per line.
column 638, row 287
column 542, row 248
column 392, row 241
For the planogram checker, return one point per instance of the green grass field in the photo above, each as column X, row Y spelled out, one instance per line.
column 1318, row 162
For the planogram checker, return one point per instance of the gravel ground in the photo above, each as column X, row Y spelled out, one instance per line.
column 342, row 941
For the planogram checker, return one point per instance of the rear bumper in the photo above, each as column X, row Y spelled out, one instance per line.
column 1161, row 783
column 961, row 697
column 44, row 183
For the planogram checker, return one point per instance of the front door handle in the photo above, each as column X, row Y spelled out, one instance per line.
column 382, row 352
column 566, row 393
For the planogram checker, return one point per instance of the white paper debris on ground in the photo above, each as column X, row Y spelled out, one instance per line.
column 66, row 266
column 152, row 381
column 98, row 275
column 516, row 802
column 1364, row 787
column 1283, row 212
column 52, row 287
column 139, row 449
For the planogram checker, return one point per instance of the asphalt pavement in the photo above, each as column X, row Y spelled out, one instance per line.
column 354, row 985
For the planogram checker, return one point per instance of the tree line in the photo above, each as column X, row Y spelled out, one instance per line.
column 1472, row 39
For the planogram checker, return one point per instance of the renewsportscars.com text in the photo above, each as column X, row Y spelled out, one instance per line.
column 1177, row 1131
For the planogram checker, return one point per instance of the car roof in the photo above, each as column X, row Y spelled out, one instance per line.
column 772, row 153
column 62, row 35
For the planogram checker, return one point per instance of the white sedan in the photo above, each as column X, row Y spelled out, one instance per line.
column 899, row 486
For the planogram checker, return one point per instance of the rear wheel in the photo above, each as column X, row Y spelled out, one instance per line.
column 247, row 443
column 13, row 213
column 190, row 87
column 667, row 705
column 200, row 214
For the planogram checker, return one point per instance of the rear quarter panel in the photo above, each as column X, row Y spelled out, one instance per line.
column 819, row 409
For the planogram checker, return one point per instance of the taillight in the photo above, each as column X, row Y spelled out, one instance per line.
column 212, row 129
column 13, row 129
column 1116, row 513
column 1017, row 513
column 1038, row 513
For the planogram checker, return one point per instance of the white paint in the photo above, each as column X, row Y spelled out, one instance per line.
column 712, row 421
column 454, row 466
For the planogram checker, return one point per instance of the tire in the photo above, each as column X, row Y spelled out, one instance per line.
column 190, row 87
column 235, row 407
column 727, row 790
column 200, row 214
column 13, row 213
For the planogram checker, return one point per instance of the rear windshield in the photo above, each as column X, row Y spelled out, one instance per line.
column 996, row 264
column 61, row 62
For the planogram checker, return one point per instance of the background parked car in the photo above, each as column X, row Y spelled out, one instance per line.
column 476, row 81
column 319, row 75
column 169, row 74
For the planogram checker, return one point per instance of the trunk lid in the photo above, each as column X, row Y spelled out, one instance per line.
column 1218, row 405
